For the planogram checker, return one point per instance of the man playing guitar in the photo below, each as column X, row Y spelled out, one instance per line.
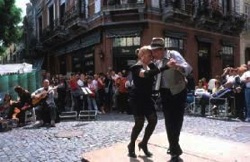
column 43, row 98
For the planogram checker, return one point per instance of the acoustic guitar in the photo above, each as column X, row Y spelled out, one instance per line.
column 14, row 115
column 41, row 96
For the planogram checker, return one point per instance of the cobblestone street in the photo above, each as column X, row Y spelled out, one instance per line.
column 69, row 139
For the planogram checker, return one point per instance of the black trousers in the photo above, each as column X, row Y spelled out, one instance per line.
column 239, row 105
column 173, row 107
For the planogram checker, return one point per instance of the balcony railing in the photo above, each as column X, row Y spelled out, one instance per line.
column 74, row 16
column 177, row 8
column 55, row 30
column 209, row 15
column 124, row 6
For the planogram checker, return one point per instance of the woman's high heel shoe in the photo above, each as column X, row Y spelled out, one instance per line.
column 144, row 148
column 131, row 151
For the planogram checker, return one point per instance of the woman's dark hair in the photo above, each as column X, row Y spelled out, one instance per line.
column 19, row 89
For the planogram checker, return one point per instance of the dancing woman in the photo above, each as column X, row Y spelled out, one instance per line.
column 140, row 101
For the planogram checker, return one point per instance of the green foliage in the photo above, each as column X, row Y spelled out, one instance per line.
column 10, row 17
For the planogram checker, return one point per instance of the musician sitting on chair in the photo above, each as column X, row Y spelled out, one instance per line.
column 6, row 106
column 18, row 108
column 43, row 99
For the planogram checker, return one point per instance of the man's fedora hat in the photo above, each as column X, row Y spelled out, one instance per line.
column 157, row 42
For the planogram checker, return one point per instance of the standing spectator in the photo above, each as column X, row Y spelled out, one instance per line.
column 173, row 93
column 108, row 92
column 91, row 99
column 62, row 88
column 100, row 97
column 76, row 92
column 114, row 76
column 246, row 79
column 122, row 96
column 239, row 97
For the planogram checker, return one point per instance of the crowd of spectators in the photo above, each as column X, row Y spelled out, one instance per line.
column 109, row 92
column 233, row 82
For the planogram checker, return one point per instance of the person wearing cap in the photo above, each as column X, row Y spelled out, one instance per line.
column 140, row 101
column 172, row 86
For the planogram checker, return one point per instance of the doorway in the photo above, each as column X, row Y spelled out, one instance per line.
column 63, row 66
column 247, row 55
column 204, row 61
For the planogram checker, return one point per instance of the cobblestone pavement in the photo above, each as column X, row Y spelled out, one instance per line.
column 69, row 139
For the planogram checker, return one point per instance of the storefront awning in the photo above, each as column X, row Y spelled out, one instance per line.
column 90, row 40
column 15, row 68
column 203, row 39
column 123, row 32
column 174, row 34
column 79, row 43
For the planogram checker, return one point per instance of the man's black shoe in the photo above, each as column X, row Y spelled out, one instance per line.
column 174, row 158
column 84, row 160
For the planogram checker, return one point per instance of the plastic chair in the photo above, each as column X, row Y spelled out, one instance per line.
column 219, row 105
column 30, row 115
column 88, row 115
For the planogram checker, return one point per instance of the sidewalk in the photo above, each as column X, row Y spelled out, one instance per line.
column 195, row 149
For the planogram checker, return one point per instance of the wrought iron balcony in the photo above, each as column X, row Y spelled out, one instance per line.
column 130, row 5
column 75, row 18
column 208, row 15
column 236, row 22
column 247, row 25
column 54, row 32
column 132, row 10
column 177, row 11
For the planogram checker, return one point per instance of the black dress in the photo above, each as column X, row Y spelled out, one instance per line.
column 140, row 100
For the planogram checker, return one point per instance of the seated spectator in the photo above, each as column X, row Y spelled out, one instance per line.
column 5, row 106
column 206, row 96
column 200, row 85
column 216, row 89
column 204, row 82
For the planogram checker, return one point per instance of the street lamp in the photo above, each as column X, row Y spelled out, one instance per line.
column 101, row 55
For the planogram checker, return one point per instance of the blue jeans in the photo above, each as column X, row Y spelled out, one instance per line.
column 247, row 98
column 92, row 105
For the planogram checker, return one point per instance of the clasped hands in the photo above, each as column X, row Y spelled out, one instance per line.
column 173, row 64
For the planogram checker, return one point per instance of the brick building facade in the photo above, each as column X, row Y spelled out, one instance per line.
column 93, row 35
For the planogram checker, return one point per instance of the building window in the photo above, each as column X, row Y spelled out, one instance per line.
column 126, row 41
column 51, row 16
column 40, row 26
column 227, row 50
column 247, row 12
column 62, row 12
column 227, row 56
column 97, row 6
column 174, row 43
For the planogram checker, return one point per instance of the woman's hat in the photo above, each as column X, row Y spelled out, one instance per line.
column 157, row 42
